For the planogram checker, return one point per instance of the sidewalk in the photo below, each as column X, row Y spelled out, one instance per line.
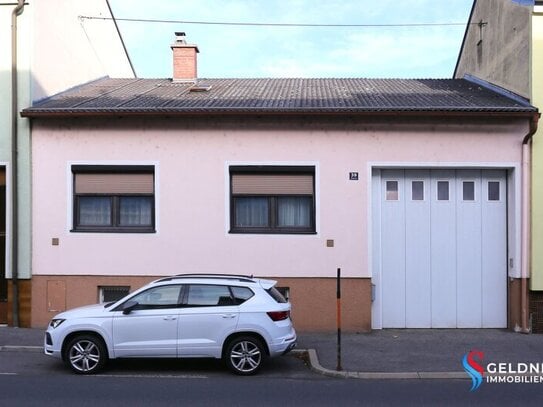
column 420, row 353
column 388, row 353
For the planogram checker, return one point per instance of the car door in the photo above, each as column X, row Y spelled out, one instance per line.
column 207, row 316
column 150, row 328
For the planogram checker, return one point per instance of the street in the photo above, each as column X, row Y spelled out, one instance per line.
column 30, row 378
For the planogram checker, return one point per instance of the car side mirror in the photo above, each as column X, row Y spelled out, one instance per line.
column 128, row 306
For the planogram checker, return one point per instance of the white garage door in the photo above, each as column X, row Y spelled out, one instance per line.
column 443, row 248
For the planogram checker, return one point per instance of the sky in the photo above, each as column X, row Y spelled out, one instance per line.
column 266, row 51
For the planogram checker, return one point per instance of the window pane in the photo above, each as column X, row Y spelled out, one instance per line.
column 493, row 191
column 294, row 211
column 209, row 295
column 241, row 294
column 251, row 212
column 164, row 296
column 417, row 190
column 442, row 190
column 468, row 190
column 392, row 191
column 136, row 211
column 94, row 211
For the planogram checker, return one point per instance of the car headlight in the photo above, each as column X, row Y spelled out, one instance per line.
column 56, row 322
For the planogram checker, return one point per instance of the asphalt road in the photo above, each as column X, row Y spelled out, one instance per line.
column 30, row 378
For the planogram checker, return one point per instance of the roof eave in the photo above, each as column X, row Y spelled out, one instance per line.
column 53, row 114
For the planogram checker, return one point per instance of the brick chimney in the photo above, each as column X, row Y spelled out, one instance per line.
column 184, row 59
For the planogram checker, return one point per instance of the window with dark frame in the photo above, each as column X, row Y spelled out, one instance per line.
column 113, row 199
column 272, row 199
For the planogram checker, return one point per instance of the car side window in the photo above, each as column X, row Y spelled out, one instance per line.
column 201, row 295
column 241, row 294
column 159, row 297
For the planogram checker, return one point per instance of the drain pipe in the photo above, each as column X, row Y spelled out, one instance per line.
column 17, row 11
column 526, row 230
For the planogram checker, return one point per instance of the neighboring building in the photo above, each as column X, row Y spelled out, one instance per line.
column 503, row 45
column 411, row 187
column 55, row 51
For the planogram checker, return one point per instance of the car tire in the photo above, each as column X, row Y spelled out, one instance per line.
column 85, row 354
column 244, row 355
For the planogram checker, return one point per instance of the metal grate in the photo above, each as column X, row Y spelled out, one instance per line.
column 536, row 311
column 112, row 293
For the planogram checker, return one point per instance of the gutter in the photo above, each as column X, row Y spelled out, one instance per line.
column 52, row 113
column 17, row 11
column 525, row 224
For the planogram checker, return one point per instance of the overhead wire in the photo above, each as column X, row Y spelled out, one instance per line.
column 253, row 24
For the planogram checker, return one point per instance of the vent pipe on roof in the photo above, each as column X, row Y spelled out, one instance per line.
column 185, row 60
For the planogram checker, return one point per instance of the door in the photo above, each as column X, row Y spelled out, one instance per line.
column 150, row 329
column 207, row 317
column 442, row 248
column 3, row 281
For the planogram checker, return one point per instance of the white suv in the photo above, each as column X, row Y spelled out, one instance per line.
column 239, row 319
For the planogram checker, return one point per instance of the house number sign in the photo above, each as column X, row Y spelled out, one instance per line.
column 353, row 176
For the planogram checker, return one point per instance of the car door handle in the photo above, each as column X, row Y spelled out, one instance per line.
column 228, row 315
column 169, row 318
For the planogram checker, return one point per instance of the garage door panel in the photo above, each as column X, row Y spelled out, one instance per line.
column 443, row 248
column 494, row 250
column 443, row 257
column 468, row 255
column 418, row 249
column 393, row 244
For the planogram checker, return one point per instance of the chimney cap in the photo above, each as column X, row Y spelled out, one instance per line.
column 181, row 42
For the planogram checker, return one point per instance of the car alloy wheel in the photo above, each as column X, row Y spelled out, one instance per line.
column 244, row 355
column 85, row 354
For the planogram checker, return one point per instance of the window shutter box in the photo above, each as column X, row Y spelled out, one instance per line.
column 103, row 183
column 253, row 184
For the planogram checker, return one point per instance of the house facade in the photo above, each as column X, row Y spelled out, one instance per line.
column 55, row 51
column 503, row 45
column 413, row 188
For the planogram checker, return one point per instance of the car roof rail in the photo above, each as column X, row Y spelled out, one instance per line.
column 236, row 277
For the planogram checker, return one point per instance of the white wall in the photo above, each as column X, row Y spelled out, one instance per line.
column 68, row 51
column 192, row 192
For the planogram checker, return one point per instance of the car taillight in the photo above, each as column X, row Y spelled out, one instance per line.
column 279, row 315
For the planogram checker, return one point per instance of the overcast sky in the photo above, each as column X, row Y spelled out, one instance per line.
column 249, row 51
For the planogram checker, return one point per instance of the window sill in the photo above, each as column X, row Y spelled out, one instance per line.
column 112, row 230
column 272, row 232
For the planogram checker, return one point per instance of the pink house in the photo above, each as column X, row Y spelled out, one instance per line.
column 412, row 187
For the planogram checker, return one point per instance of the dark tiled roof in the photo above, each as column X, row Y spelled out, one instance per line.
column 162, row 96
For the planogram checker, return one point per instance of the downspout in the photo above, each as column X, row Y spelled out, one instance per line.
column 17, row 11
column 525, row 220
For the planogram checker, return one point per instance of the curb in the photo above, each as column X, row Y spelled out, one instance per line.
column 318, row 368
